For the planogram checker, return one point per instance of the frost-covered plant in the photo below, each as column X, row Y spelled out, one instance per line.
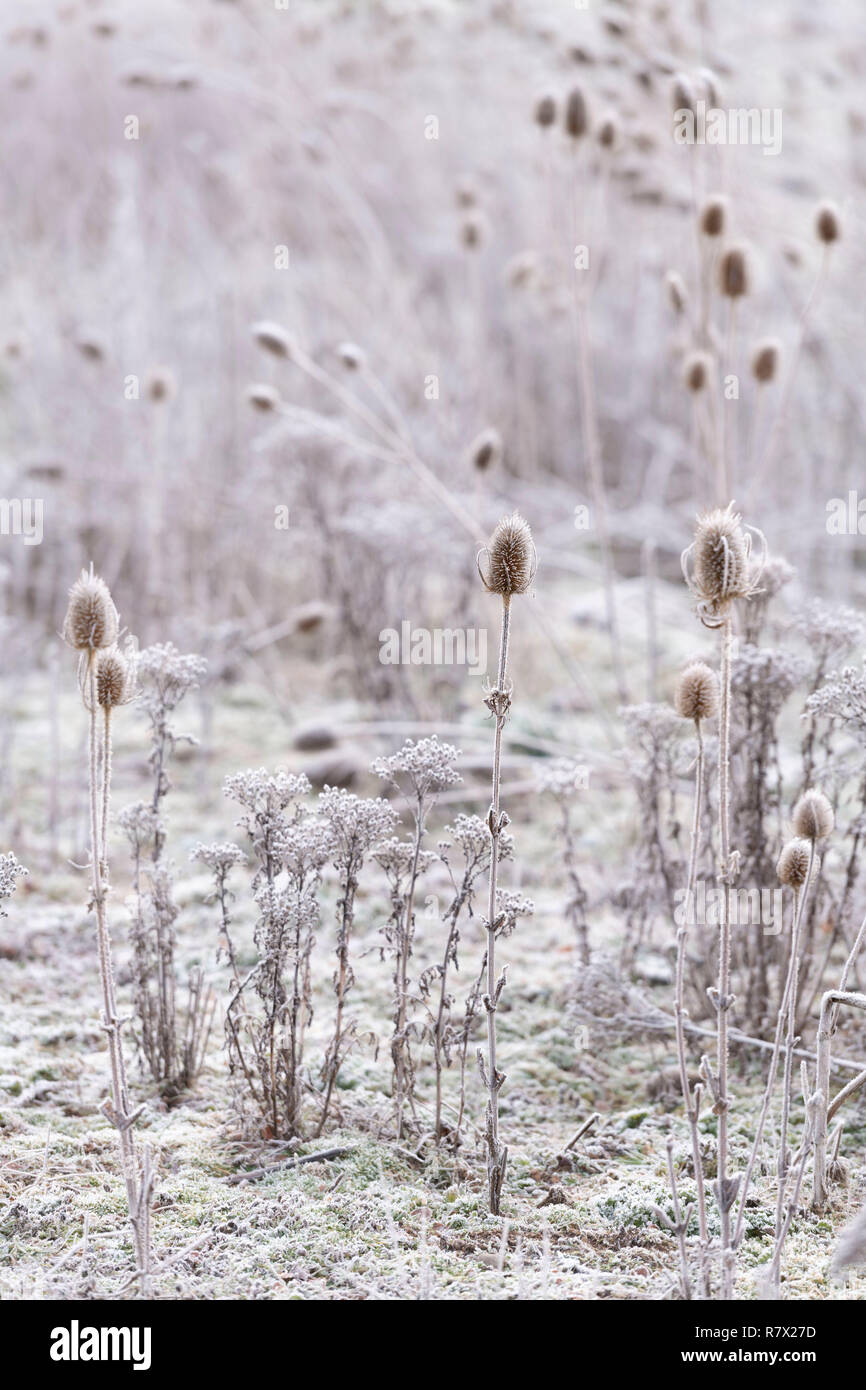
column 510, row 561
column 653, row 734
column 91, row 628
column 719, row 570
column 172, row 1046
column 417, row 772
column 472, row 835
column 357, row 825
column 10, row 872
column 562, row 778
column 270, row 1007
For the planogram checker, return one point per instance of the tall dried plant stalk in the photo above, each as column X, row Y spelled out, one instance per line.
column 91, row 628
column 510, row 559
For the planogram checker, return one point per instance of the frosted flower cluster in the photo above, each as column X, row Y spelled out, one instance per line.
column 421, row 769
column 165, row 675
column 10, row 872
column 358, row 823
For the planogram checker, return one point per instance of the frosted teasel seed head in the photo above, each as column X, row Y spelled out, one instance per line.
column 813, row 817
column 263, row 397
column 510, row 558
column 351, row 356
column 828, row 223
column 608, row 133
column 544, row 114
column 676, row 290
column 713, row 216
column 91, row 622
column 576, row 114
column 697, row 693
column 718, row 566
column 485, row 451
column 792, row 868
column 116, row 676
column 697, row 370
column 683, row 94
column 273, row 338
column 734, row 278
column 474, row 231
column 765, row 360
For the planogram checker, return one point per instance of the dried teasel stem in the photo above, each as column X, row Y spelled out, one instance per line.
column 829, row 1007
column 796, row 871
column 91, row 626
column 510, row 570
column 697, row 698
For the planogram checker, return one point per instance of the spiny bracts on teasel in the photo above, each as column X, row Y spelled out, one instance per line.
column 793, row 865
column 697, row 692
column 813, row 816
column 718, row 565
column 510, row 558
column 91, row 622
column 115, row 678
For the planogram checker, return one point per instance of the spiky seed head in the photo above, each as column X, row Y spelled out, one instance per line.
column 351, row 356
column 510, row 557
column 677, row 292
column 828, row 223
column 813, row 816
column 696, row 371
column 91, row 622
column 697, row 692
column 721, row 558
column 682, row 94
column 793, row 866
column 713, row 216
column 485, row 450
column 473, row 231
column 115, row 678
column 608, row 133
column 273, row 338
column 262, row 396
column 160, row 384
column 734, row 273
column 545, row 112
column 765, row 360
column 576, row 114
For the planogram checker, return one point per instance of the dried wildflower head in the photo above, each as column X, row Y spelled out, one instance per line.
column 510, row 557
column 273, row 338
column 357, row 825
column 115, row 676
column 813, row 817
column 562, row 777
column 420, row 769
column 510, row 907
column 91, row 622
column 263, row 397
column 828, row 223
column 713, row 216
column 139, row 823
column 765, row 360
column 220, row 858
column 166, row 676
column 677, row 293
column 734, row 279
column 485, row 450
column 472, row 834
column 576, row 114
column 696, row 371
column 545, row 112
column 697, row 693
column 718, row 566
column 793, row 865
column 10, row 872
